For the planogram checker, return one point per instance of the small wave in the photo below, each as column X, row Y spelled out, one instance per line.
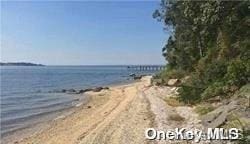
column 19, row 120
column 63, row 116
column 5, row 132
column 60, row 117
column 79, row 104
column 12, row 129
column 39, row 107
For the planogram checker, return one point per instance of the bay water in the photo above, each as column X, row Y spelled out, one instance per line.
column 32, row 94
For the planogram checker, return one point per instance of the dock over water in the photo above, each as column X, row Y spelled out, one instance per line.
column 146, row 67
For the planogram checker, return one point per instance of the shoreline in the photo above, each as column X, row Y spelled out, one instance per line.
column 120, row 114
column 27, row 131
column 81, row 99
column 16, row 134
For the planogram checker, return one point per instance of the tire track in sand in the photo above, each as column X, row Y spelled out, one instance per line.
column 126, row 124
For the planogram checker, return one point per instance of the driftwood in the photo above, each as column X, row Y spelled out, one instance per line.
column 218, row 117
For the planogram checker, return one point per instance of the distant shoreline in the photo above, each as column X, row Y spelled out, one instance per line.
column 19, row 64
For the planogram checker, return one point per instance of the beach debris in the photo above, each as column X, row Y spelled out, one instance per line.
column 158, row 82
column 214, row 99
column 218, row 117
column 173, row 82
column 73, row 91
column 137, row 77
column 88, row 107
column 84, row 90
column 106, row 88
column 132, row 75
column 70, row 91
column 97, row 89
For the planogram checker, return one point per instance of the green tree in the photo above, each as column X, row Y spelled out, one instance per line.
column 209, row 40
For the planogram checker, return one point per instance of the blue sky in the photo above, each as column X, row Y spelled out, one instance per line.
column 81, row 33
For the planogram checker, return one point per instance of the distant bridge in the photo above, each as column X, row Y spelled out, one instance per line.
column 146, row 67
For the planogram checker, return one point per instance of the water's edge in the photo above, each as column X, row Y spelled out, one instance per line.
column 22, row 133
column 32, row 97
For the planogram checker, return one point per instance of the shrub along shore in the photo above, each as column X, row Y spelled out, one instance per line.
column 208, row 52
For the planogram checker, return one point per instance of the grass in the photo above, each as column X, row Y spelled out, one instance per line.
column 174, row 102
column 176, row 117
column 234, row 121
column 204, row 109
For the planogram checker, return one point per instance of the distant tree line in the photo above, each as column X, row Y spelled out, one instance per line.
column 209, row 44
column 19, row 64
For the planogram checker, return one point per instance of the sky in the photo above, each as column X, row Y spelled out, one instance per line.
column 81, row 32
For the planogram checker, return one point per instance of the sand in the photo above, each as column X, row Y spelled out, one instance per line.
column 119, row 115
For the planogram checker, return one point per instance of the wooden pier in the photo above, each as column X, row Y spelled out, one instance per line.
column 146, row 67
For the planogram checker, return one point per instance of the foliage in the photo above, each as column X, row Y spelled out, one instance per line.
column 245, row 137
column 189, row 94
column 174, row 102
column 171, row 73
column 216, row 89
column 204, row 109
column 209, row 41
column 238, row 72
column 234, row 121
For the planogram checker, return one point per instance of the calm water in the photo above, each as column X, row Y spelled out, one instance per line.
column 28, row 94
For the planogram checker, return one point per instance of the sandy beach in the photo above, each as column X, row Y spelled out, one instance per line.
column 125, row 72
column 118, row 115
